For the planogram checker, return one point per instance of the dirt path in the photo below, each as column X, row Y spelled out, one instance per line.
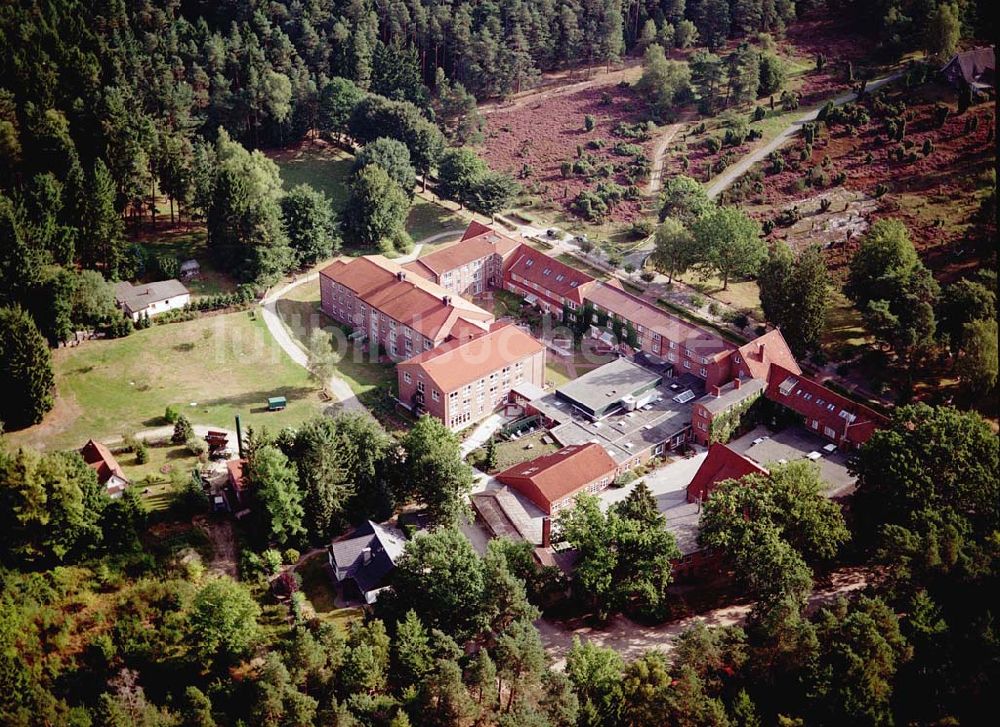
column 631, row 640
column 224, row 551
column 660, row 156
column 731, row 174
column 560, row 83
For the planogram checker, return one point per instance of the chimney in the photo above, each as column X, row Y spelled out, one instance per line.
column 446, row 299
column 239, row 437
column 737, row 382
column 401, row 275
column 716, row 392
column 366, row 555
column 760, row 350
column 546, row 531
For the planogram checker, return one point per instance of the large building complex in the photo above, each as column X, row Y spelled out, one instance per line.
column 456, row 363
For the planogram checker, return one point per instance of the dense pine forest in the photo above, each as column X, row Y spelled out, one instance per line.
column 118, row 115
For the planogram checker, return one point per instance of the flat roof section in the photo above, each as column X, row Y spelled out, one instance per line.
column 607, row 385
column 766, row 448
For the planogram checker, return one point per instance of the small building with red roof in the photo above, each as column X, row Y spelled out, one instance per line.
column 545, row 281
column 553, row 481
column 720, row 464
column 109, row 474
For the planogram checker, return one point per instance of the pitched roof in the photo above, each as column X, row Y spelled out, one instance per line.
column 730, row 394
column 976, row 66
column 479, row 241
column 850, row 420
column 555, row 279
column 760, row 353
column 408, row 298
column 456, row 363
column 720, row 464
column 561, row 473
column 99, row 458
column 384, row 547
column 137, row 297
column 642, row 313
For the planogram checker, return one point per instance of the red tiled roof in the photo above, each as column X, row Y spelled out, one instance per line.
column 408, row 298
column 642, row 313
column 556, row 476
column 479, row 241
column 765, row 350
column 561, row 280
column 99, row 458
column 722, row 463
column 456, row 363
column 415, row 266
column 848, row 419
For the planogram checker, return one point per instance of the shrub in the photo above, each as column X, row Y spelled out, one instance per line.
column 196, row 446
column 647, row 275
column 758, row 113
column 291, row 556
column 171, row 414
column 928, row 147
column 777, row 162
column 642, row 228
column 806, row 153
column 624, row 149
column 824, row 204
column 119, row 327
column 183, row 431
column 588, row 122
column 566, row 169
column 881, row 189
column 272, row 561
column 141, row 452
column 712, row 144
column 696, row 300
column 713, row 308
column 606, row 99
column 838, row 179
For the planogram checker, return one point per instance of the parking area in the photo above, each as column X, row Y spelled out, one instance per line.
column 669, row 487
column 766, row 447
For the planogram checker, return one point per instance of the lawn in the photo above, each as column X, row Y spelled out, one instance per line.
column 844, row 332
column 329, row 170
column 212, row 368
column 518, row 450
column 318, row 588
column 186, row 243
column 555, row 372
column 741, row 295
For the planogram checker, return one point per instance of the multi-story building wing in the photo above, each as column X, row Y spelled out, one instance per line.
column 398, row 309
column 463, row 381
column 544, row 281
column 471, row 265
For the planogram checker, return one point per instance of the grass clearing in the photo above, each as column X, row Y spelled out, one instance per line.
column 322, row 595
column 844, row 332
column 556, row 373
column 518, row 450
column 739, row 294
column 300, row 312
column 211, row 368
column 328, row 169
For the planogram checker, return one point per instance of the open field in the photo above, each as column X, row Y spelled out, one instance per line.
column 212, row 368
column 532, row 138
column 328, row 169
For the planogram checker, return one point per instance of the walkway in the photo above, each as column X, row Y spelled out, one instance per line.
column 660, row 157
column 337, row 386
column 632, row 640
column 731, row 174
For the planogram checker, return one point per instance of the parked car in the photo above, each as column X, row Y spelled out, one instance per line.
column 552, row 232
column 580, row 238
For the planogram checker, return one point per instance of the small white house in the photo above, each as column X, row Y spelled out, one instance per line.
column 151, row 298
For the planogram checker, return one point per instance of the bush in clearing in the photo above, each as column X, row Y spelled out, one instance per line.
column 712, row 144
column 647, row 275
column 588, row 122
column 624, row 149
column 696, row 300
